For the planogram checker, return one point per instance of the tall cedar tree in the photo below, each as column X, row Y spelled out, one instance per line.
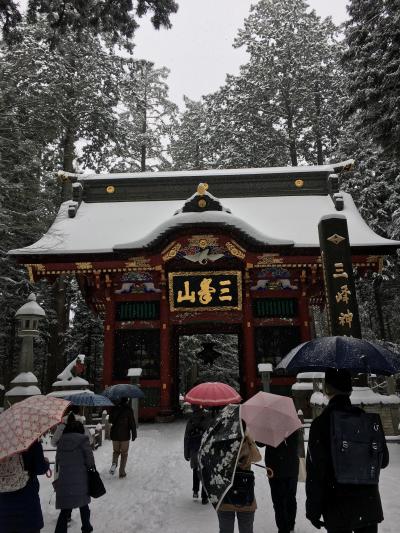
column 145, row 121
column 373, row 63
column 188, row 146
column 116, row 21
column 294, row 67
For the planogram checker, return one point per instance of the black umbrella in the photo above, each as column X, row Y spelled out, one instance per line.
column 356, row 355
column 123, row 390
column 219, row 453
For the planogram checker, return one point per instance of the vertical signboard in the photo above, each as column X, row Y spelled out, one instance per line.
column 340, row 290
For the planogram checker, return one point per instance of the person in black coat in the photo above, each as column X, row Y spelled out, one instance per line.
column 20, row 511
column 345, row 508
column 196, row 426
column 122, row 430
column 282, row 465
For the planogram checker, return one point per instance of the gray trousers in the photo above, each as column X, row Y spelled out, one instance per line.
column 227, row 521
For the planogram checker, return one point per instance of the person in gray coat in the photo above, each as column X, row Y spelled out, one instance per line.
column 73, row 458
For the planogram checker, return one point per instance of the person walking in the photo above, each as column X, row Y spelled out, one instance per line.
column 345, row 507
column 20, row 510
column 74, row 457
column 245, row 509
column 282, row 465
column 75, row 410
column 195, row 427
column 123, row 428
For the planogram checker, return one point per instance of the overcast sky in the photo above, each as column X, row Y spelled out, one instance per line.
column 198, row 49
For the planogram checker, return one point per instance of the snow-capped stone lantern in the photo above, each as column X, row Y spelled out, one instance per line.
column 28, row 317
column 25, row 384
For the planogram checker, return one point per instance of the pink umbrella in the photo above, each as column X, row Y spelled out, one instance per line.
column 212, row 393
column 26, row 421
column 270, row 418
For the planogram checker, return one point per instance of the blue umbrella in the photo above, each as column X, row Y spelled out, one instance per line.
column 89, row 400
column 123, row 390
column 356, row 355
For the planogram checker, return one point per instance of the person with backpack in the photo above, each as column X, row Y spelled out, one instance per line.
column 346, row 450
column 74, row 457
column 195, row 427
column 240, row 501
column 123, row 428
column 282, row 464
column 20, row 510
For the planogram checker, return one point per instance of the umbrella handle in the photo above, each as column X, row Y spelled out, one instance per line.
column 270, row 472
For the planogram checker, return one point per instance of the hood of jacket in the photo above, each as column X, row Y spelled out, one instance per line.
column 70, row 441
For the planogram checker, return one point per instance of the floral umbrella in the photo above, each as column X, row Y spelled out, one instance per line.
column 219, row 453
column 26, row 421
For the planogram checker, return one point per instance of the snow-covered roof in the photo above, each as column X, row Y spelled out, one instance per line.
column 102, row 227
column 30, row 308
column 25, row 377
column 302, row 386
column 74, row 381
column 302, row 169
column 62, row 393
column 311, row 375
column 31, row 390
column 265, row 367
column 359, row 396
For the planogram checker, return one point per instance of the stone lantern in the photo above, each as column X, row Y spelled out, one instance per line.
column 134, row 377
column 25, row 384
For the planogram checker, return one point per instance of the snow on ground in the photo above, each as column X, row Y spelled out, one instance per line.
column 156, row 495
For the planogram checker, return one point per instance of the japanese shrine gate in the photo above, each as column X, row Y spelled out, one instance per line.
column 162, row 254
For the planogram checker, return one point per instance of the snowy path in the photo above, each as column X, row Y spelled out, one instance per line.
column 156, row 495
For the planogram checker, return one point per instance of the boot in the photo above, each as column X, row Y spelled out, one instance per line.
column 122, row 464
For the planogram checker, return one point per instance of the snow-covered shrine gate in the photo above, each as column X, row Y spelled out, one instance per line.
column 155, row 253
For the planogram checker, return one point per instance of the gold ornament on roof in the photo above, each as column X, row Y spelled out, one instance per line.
column 84, row 265
column 202, row 203
column 171, row 253
column 235, row 250
column 202, row 188
column 203, row 241
column 110, row 189
column 299, row 183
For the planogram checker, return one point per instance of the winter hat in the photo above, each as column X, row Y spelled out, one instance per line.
column 339, row 379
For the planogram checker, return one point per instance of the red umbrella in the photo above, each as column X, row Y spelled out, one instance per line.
column 26, row 421
column 212, row 393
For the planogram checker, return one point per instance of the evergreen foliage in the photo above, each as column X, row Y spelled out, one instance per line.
column 61, row 108
column 116, row 21
column 282, row 107
column 372, row 59
column 85, row 335
column 146, row 120
column 193, row 370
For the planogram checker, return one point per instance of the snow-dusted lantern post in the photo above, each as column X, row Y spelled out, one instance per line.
column 28, row 317
column 265, row 370
column 134, row 375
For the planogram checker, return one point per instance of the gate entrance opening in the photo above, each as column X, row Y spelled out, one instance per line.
column 206, row 352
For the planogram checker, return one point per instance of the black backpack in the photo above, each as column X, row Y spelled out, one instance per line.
column 357, row 444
